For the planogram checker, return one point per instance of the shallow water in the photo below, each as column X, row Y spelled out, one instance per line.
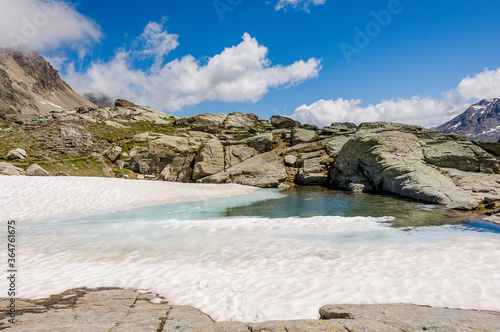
column 270, row 255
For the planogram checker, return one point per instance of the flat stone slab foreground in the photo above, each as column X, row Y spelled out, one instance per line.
column 120, row 310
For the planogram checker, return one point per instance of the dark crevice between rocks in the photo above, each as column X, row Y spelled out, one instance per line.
column 478, row 159
column 348, row 329
column 118, row 320
column 163, row 321
column 135, row 301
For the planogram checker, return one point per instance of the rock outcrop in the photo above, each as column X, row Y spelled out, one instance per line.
column 36, row 170
column 16, row 154
column 414, row 162
column 263, row 170
column 9, row 169
column 207, row 122
column 281, row 122
column 137, row 142
column 116, row 310
column 210, row 159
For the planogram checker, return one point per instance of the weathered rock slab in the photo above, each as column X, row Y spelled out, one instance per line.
column 300, row 135
column 126, row 310
column 210, row 159
column 9, row 169
column 263, row 170
column 405, row 160
column 17, row 154
column 36, row 170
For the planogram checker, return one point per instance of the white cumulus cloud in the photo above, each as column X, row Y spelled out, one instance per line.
column 423, row 111
column 45, row 25
column 485, row 85
column 297, row 4
column 242, row 73
column 427, row 111
column 157, row 42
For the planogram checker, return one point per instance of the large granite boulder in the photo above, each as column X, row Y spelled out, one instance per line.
column 262, row 143
column 290, row 160
column 169, row 143
column 17, row 154
column 180, row 169
column 210, row 159
column 207, row 122
column 238, row 120
column 36, row 170
column 9, row 169
column 300, row 135
column 334, row 145
column 312, row 171
column 150, row 163
column 114, row 153
column 407, row 160
column 340, row 128
column 123, row 103
column 264, row 170
column 235, row 154
column 281, row 122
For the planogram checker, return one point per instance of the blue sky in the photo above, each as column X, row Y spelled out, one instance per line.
column 422, row 64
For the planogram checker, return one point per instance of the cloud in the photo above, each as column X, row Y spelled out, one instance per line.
column 424, row 111
column 156, row 42
column 485, row 85
column 45, row 25
column 297, row 4
column 241, row 73
column 427, row 111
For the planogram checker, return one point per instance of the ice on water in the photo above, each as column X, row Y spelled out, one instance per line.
column 238, row 268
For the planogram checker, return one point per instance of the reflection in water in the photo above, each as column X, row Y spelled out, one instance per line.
column 317, row 201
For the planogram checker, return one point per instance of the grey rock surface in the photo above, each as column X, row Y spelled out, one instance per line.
column 180, row 169
column 262, row 143
column 16, row 154
column 9, row 169
column 210, row 159
column 281, row 122
column 114, row 153
column 126, row 310
column 236, row 154
column 408, row 317
column 263, row 170
column 207, row 122
column 36, row 170
column 290, row 160
column 312, row 171
column 300, row 135
column 240, row 120
column 408, row 160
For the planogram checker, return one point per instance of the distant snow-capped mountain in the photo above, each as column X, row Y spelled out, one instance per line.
column 481, row 122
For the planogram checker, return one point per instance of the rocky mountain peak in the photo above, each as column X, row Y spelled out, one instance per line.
column 480, row 122
column 30, row 85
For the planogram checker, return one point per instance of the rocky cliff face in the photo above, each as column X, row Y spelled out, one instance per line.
column 481, row 122
column 30, row 85
column 417, row 163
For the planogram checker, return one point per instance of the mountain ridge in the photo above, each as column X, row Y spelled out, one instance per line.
column 480, row 122
column 30, row 85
